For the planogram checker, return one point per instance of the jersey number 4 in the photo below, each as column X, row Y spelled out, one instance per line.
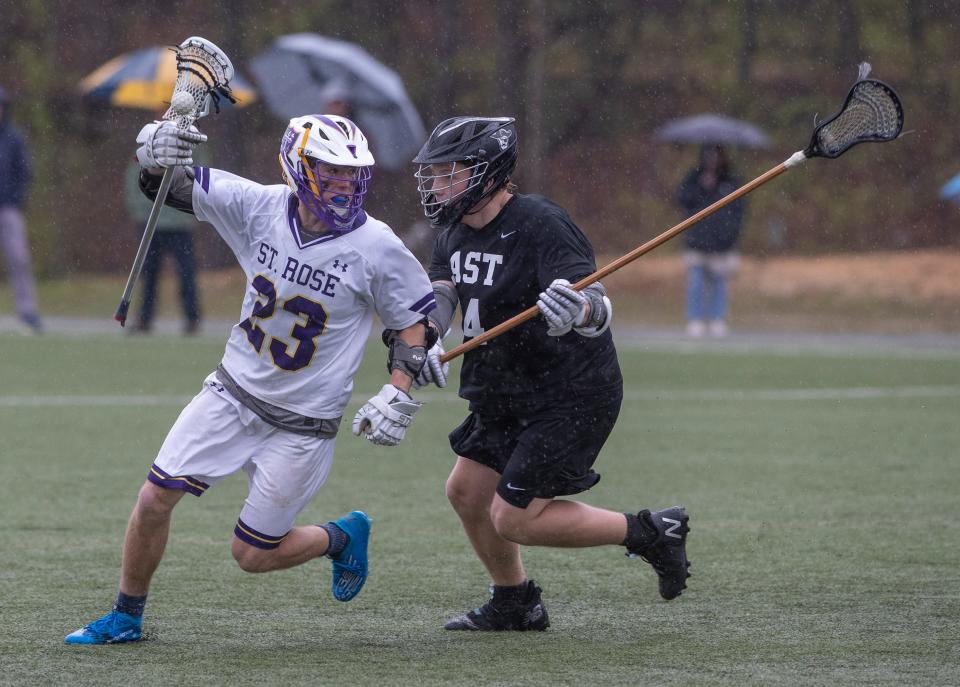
column 471, row 319
column 304, row 333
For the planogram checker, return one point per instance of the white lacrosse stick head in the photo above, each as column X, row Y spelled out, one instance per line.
column 203, row 75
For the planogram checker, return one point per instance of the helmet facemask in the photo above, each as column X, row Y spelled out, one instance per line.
column 452, row 208
column 337, row 209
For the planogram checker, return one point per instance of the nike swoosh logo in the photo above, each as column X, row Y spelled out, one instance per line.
column 503, row 236
column 513, row 488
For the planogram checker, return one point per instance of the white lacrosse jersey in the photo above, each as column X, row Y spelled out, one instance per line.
column 309, row 305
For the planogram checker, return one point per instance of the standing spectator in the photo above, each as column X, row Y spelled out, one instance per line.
column 174, row 235
column 711, row 256
column 336, row 100
column 14, row 178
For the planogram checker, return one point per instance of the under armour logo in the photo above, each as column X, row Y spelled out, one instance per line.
column 342, row 265
column 670, row 532
column 502, row 137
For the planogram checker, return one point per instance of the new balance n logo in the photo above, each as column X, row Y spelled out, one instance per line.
column 670, row 531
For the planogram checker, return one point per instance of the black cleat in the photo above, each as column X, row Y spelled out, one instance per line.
column 668, row 552
column 498, row 615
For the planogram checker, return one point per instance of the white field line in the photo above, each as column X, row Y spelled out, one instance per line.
column 55, row 400
column 946, row 347
column 825, row 394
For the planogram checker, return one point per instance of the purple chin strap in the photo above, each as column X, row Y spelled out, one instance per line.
column 339, row 218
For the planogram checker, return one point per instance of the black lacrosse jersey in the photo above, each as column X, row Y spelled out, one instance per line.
column 499, row 271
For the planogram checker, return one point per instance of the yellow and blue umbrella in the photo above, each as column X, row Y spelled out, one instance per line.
column 144, row 79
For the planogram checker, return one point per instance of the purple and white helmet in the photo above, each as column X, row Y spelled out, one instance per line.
column 331, row 140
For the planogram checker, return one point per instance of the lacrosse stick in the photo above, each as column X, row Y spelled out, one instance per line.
column 871, row 113
column 203, row 74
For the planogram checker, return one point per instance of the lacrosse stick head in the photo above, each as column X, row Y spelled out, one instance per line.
column 871, row 113
column 203, row 76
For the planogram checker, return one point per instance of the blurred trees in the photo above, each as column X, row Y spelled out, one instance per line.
column 589, row 81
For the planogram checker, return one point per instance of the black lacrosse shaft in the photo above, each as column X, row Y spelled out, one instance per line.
column 121, row 314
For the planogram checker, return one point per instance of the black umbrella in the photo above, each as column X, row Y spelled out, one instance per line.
column 304, row 73
column 712, row 129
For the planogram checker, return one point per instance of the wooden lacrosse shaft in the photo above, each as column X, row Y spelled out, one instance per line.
column 533, row 311
column 121, row 314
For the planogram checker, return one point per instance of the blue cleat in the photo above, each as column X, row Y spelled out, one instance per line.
column 350, row 565
column 113, row 628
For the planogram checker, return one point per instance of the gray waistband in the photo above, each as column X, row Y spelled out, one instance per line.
column 278, row 417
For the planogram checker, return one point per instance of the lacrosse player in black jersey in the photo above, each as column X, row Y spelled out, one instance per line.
column 543, row 396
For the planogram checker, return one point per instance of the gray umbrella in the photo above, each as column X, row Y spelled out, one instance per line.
column 304, row 72
column 712, row 128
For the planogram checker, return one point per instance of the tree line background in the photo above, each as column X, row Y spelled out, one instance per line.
column 588, row 81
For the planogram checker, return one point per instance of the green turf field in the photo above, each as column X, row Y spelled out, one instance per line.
column 824, row 493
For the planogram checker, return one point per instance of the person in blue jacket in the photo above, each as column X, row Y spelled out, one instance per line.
column 14, row 179
column 710, row 256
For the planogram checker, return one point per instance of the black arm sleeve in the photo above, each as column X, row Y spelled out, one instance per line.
column 180, row 196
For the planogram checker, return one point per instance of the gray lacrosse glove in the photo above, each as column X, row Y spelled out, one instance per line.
column 562, row 307
column 433, row 371
column 162, row 144
column 384, row 418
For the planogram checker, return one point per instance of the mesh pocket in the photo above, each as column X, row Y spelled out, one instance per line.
column 872, row 112
column 204, row 76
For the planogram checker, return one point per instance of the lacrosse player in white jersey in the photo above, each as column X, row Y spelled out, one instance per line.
column 318, row 268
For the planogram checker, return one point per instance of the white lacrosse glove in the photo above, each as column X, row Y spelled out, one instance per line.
column 433, row 371
column 163, row 144
column 562, row 307
column 385, row 417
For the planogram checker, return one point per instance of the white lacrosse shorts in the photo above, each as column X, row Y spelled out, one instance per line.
column 216, row 435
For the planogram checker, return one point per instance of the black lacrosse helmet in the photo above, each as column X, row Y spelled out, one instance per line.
column 487, row 146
